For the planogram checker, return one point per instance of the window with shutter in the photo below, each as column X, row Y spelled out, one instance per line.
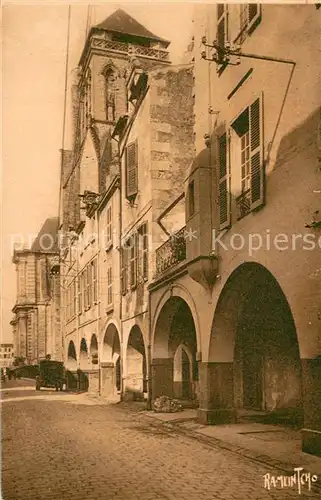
column 83, row 290
column 79, row 294
column 224, row 182
column 250, row 17
column 74, row 297
column 222, row 30
column 94, row 280
column 143, row 252
column 131, row 158
column 109, row 286
column 248, row 144
column 256, row 154
column 254, row 16
column 86, row 294
column 124, row 268
column 133, row 260
column 89, row 285
column 109, row 228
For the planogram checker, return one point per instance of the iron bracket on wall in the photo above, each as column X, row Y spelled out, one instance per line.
column 222, row 54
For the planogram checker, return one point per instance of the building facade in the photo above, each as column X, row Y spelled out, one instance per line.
column 36, row 321
column 6, row 355
column 237, row 324
column 189, row 207
column 132, row 115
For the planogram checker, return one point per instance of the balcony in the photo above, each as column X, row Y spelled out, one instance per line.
column 126, row 48
column 172, row 252
column 243, row 204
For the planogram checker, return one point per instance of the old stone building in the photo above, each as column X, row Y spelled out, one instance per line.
column 189, row 210
column 237, row 323
column 6, row 355
column 132, row 142
column 36, row 322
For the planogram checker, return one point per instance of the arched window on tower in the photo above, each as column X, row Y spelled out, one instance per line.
column 110, row 92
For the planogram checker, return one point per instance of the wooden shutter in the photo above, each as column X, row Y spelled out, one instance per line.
column 90, row 282
column 79, row 293
column 256, row 152
column 224, row 182
column 133, row 259
column 222, row 26
column 95, row 282
column 145, row 251
column 137, row 256
column 109, row 286
column 124, row 270
column 131, row 169
column 253, row 16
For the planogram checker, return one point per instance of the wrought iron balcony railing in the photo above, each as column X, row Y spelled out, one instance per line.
column 171, row 252
column 243, row 204
column 127, row 48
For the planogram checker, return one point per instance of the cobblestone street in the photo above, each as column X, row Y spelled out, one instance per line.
column 62, row 446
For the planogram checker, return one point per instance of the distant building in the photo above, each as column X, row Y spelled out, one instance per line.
column 36, row 322
column 6, row 355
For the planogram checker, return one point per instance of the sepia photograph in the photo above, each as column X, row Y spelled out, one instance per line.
column 161, row 250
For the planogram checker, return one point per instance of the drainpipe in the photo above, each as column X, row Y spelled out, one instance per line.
column 120, row 264
column 98, row 294
column 149, row 356
column 120, row 267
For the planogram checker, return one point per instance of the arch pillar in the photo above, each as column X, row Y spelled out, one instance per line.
column 135, row 372
column 311, row 432
column 93, row 371
column 216, row 395
column 162, row 377
column 109, row 356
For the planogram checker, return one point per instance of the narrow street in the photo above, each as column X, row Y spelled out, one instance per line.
column 65, row 446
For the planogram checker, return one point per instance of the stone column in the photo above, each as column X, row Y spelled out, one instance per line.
column 108, row 382
column 162, row 377
column 133, row 383
column 216, row 401
column 93, row 381
column 311, row 385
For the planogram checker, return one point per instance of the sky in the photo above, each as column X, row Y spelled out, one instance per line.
column 34, row 61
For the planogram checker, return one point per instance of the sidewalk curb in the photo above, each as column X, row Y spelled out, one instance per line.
column 245, row 453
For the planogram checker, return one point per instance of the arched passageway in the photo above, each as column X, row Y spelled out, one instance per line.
column 93, row 373
column 254, row 359
column 84, row 366
column 83, row 355
column 136, row 366
column 71, row 367
column 71, row 363
column 174, row 365
column 94, row 350
column 110, row 363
